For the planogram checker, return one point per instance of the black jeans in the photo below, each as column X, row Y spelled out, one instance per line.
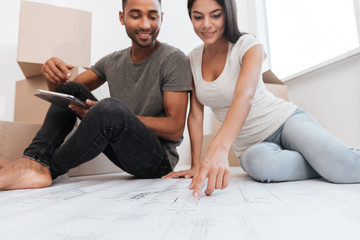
column 108, row 127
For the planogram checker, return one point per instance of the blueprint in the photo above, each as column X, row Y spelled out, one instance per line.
column 118, row 206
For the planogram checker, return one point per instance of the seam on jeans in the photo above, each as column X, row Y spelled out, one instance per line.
column 36, row 160
column 160, row 156
column 50, row 144
column 86, row 152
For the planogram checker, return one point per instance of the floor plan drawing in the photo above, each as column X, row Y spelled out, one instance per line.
column 118, row 206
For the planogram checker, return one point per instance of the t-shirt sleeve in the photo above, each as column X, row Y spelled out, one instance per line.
column 99, row 67
column 244, row 43
column 176, row 73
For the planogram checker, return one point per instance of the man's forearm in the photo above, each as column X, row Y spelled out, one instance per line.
column 165, row 127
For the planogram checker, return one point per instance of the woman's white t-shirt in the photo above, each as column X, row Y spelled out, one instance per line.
column 267, row 112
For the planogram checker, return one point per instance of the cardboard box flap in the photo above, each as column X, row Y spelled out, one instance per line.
column 270, row 77
column 46, row 31
column 30, row 69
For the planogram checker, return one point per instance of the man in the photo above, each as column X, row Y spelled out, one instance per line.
column 138, row 129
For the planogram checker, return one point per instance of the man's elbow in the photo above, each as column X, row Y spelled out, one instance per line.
column 177, row 133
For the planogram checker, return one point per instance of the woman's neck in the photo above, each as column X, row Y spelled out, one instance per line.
column 218, row 47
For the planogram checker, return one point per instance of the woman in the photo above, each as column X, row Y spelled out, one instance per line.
column 274, row 140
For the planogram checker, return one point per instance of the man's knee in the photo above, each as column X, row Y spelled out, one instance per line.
column 71, row 87
column 110, row 108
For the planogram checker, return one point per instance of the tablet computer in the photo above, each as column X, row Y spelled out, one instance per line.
column 61, row 99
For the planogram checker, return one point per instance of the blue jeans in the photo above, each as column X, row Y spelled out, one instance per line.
column 301, row 149
column 108, row 127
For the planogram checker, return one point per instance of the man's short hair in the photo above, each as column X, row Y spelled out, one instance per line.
column 125, row 1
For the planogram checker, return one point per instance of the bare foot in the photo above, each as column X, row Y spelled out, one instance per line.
column 24, row 173
column 3, row 162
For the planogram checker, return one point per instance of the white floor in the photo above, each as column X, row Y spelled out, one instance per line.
column 117, row 206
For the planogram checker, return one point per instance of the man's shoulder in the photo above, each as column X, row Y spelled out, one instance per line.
column 168, row 50
column 116, row 54
column 119, row 53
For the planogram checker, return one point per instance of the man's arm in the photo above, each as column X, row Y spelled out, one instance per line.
column 57, row 73
column 170, row 127
column 90, row 79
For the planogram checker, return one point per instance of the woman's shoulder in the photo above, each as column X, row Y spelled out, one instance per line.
column 246, row 40
column 197, row 51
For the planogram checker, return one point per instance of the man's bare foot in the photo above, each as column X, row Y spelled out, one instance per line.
column 3, row 162
column 24, row 173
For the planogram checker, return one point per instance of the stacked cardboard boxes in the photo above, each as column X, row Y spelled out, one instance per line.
column 45, row 31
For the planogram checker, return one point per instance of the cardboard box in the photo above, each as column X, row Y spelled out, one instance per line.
column 47, row 31
column 29, row 108
column 15, row 137
column 275, row 85
column 99, row 165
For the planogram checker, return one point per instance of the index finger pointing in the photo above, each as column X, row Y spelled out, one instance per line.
column 199, row 182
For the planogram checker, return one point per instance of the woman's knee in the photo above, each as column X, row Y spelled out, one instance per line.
column 259, row 161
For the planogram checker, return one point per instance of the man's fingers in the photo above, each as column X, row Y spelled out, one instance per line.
column 172, row 175
column 48, row 77
column 183, row 173
column 48, row 74
column 65, row 71
column 168, row 175
column 64, row 68
column 69, row 66
column 57, row 70
column 90, row 102
column 79, row 110
column 55, row 78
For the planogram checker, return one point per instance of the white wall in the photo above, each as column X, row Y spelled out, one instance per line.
column 9, row 70
column 332, row 96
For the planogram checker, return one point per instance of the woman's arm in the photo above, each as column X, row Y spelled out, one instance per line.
column 214, row 165
column 195, row 128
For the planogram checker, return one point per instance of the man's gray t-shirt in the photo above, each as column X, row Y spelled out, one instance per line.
column 141, row 85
